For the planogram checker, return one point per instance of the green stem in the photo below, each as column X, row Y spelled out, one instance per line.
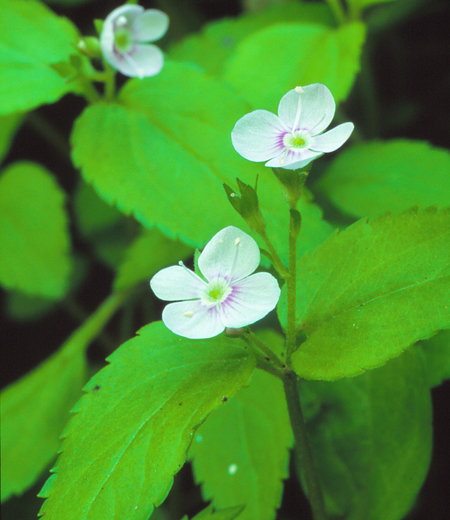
column 276, row 260
column 84, row 335
column 291, row 286
column 338, row 10
column 303, row 448
column 110, row 82
column 276, row 362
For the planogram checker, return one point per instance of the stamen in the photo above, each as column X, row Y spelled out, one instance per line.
column 236, row 242
column 139, row 71
column 299, row 90
column 121, row 21
column 180, row 263
column 317, row 124
column 188, row 314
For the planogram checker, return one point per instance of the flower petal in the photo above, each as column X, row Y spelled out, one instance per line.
column 333, row 139
column 177, row 283
column 294, row 160
column 144, row 60
column 151, row 25
column 250, row 300
column 192, row 319
column 317, row 108
column 231, row 255
column 258, row 136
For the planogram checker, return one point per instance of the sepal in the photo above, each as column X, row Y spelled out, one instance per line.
column 246, row 205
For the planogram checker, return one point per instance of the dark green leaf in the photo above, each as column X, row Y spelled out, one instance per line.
column 34, row 233
column 437, row 355
column 132, row 430
column 31, row 40
column 370, row 292
column 222, row 514
column 273, row 61
column 8, row 127
column 241, row 453
column 372, row 438
column 372, row 178
column 148, row 254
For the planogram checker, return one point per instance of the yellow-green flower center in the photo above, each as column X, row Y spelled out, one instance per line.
column 122, row 39
column 215, row 294
column 298, row 141
column 216, row 291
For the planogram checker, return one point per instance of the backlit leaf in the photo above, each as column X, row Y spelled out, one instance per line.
column 34, row 234
column 372, row 178
column 31, row 40
column 370, row 292
column 133, row 428
column 272, row 61
column 437, row 354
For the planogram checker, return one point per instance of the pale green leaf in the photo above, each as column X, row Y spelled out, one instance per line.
column 34, row 233
column 134, row 426
column 370, row 292
column 372, row 178
column 34, row 411
column 223, row 514
column 273, row 61
column 437, row 356
column 372, row 438
column 218, row 40
column 25, row 308
column 246, row 463
column 31, row 40
column 8, row 127
column 164, row 153
column 148, row 254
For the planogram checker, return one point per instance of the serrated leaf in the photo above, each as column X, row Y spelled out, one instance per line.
column 164, row 153
column 372, row 436
column 272, row 61
column 218, row 40
column 370, row 292
column 8, row 127
column 372, row 178
column 222, row 514
column 437, row 355
column 246, row 464
column 34, row 233
column 34, row 412
column 31, row 40
column 132, row 429
column 148, row 254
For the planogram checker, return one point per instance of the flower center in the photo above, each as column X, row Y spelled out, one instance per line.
column 122, row 40
column 216, row 292
column 297, row 140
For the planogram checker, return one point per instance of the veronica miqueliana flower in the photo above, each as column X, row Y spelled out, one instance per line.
column 230, row 296
column 294, row 138
column 122, row 40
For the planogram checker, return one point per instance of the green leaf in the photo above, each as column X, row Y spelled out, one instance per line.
column 216, row 43
column 272, row 61
column 34, row 411
column 132, row 430
column 8, row 127
column 372, row 437
column 222, row 514
column 34, row 232
column 32, row 38
column 246, row 464
column 437, row 354
column 370, row 292
column 372, row 178
column 164, row 153
column 26, row 308
column 148, row 254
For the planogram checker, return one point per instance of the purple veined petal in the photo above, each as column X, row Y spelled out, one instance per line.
column 144, row 60
column 317, row 108
column 151, row 25
column 177, row 283
column 250, row 300
column 231, row 254
column 334, row 139
column 258, row 136
column 192, row 320
column 293, row 160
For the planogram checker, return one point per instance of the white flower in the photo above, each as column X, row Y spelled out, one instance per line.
column 229, row 298
column 294, row 138
column 121, row 40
